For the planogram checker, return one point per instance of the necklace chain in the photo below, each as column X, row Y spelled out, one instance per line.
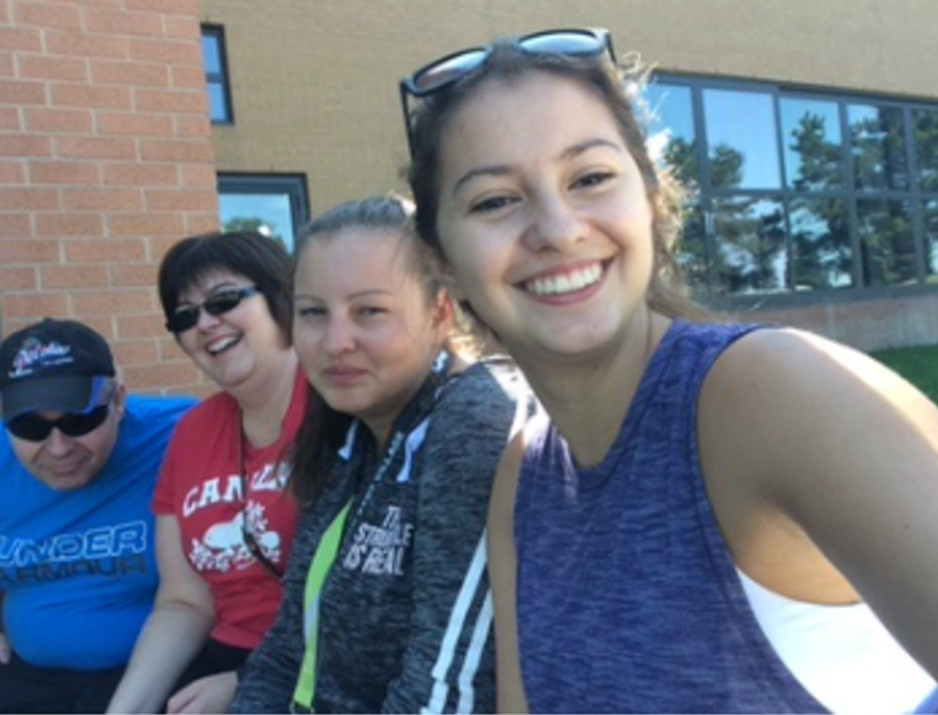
column 250, row 540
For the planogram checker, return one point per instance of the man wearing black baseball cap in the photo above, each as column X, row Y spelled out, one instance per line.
column 55, row 363
column 60, row 366
column 78, row 462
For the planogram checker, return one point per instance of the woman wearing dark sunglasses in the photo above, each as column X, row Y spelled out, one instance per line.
column 225, row 521
column 703, row 516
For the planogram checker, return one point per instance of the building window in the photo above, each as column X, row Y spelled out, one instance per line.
column 793, row 191
column 216, row 74
column 275, row 205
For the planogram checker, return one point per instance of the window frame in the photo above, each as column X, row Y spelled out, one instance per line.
column 712, row 293
column 222, row 78
column 294, row 186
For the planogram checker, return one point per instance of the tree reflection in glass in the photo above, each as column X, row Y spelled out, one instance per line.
column 751, row 252
column 886, row 242
column 931, row 240
column 691, row 253
column 925, row 130
column 268, row 214
column 878, row 147
column 671, row 138
column 821, row 252
column 672, row 143
column 813, row 156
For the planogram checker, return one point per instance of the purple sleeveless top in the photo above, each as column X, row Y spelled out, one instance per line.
column 628, row 600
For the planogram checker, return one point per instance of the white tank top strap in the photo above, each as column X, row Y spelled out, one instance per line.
column 842, row 655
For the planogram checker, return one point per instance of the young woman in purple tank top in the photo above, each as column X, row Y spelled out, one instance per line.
column 820, row 466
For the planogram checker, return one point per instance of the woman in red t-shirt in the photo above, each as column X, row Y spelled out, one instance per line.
column 224, row 519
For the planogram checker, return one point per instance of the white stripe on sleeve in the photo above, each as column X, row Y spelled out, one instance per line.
column 479, row 635
column 470, row 586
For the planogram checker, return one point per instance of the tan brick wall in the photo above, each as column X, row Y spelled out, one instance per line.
column 105, row 160
column 107, row 156
column 314, row 83
column 865, row 324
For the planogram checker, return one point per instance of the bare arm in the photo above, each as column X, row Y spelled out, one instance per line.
column 509, row 688
column 822, row 466
column 173, row 634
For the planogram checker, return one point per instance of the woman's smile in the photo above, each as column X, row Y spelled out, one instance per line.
column 567, row 283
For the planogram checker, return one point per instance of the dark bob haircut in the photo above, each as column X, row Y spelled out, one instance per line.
column 262, row 260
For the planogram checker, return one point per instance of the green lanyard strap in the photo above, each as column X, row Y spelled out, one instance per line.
column 318, row 570
column 410, row 420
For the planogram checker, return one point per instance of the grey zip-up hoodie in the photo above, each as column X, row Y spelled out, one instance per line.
column 405, row 614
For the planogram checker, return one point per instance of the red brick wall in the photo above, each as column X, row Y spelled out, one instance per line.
column 106, row 159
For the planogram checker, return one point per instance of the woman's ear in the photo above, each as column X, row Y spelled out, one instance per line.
column 442, row 311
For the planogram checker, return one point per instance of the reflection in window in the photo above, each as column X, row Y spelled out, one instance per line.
column 886, row 242
column 216, row 74
column 671, row 137
column 931, row 241
column 741, row 137
column 877, row 146
column 840, row 216
column 925, row 131
column 821, row 253
column 751, row 255
column 273, row 205
column 813, row 154
column 691, row 253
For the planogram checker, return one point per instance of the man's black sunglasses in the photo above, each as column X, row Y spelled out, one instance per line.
column 224, row 300
column 33, row 428
column 451, row 68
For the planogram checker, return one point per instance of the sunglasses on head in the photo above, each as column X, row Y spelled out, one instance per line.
column 219, row 302
column 447, row 70
column 33, row 428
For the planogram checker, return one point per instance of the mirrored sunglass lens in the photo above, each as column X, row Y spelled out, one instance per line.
column 564, row 43
column 30, row 427
column 184, row 319
column 222, row 302
column 34, row 428
column 76, row 425
column 448, row 71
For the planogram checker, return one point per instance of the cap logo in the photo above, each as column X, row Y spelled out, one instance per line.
column 35, row 354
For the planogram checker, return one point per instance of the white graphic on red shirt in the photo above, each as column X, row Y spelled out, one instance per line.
column 223, row 547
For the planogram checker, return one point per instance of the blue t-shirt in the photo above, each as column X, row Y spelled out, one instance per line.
column 77, row 568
